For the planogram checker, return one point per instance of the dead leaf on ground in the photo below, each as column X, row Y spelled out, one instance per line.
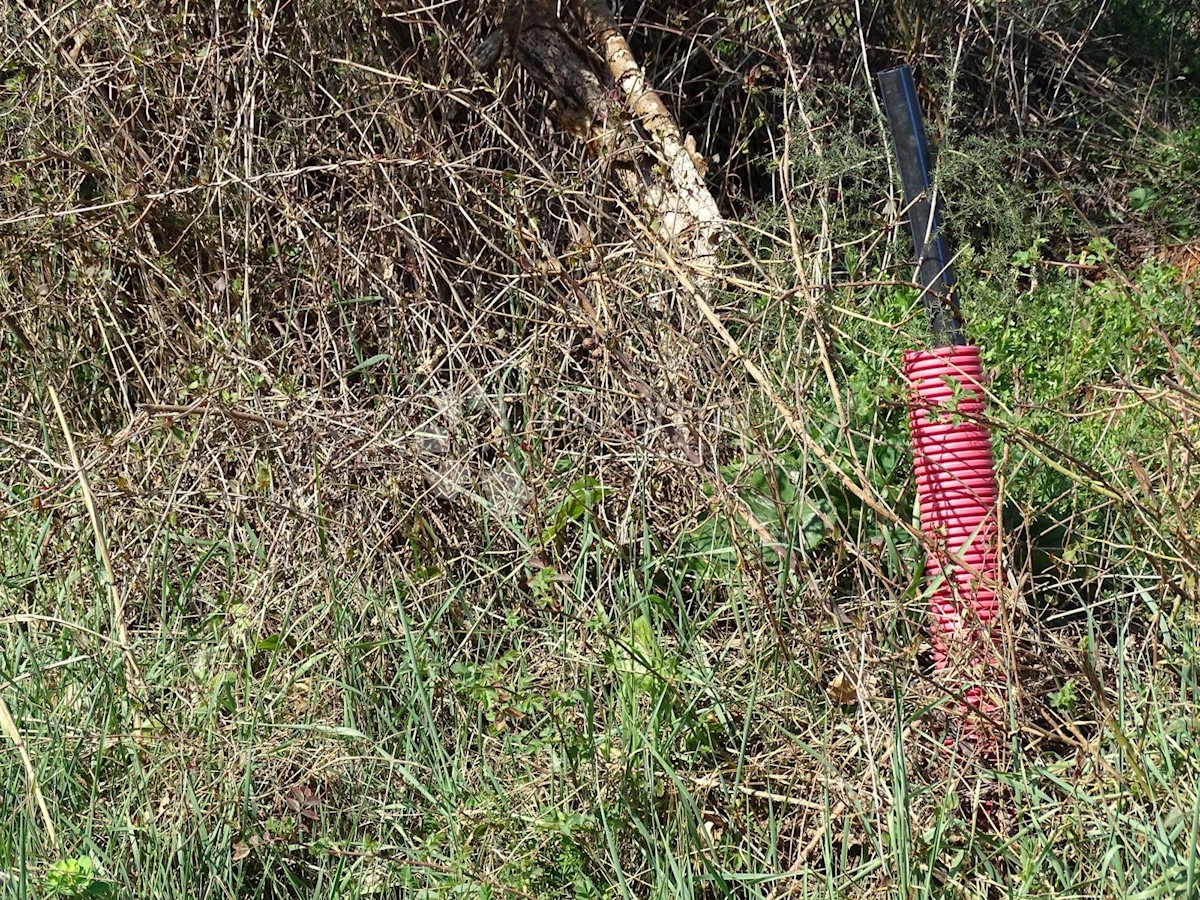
column 846, row 689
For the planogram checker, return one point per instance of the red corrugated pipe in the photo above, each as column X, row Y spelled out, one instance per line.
column 952, row 450
column 957, row 492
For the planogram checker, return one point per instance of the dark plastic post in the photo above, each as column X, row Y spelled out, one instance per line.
column 936, row 272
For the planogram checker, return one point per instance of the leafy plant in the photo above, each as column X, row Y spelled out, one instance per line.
column 1141, row 198
column 583, row 494
column 1066, row 698
column 771, row 492
column 77, row 878
column 639, row 663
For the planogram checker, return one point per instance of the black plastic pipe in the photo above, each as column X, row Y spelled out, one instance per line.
column 934, row 259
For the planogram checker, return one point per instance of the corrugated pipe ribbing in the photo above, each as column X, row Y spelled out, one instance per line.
column 956, row 487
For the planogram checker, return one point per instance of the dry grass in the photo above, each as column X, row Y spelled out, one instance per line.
column 368, row 551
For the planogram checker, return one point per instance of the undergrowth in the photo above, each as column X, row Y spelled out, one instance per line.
column 346, row 552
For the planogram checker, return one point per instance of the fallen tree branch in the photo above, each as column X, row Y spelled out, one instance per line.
column 668, row 186
column 533, row 35
column 694, row 205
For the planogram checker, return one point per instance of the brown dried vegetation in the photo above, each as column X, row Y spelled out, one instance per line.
column 402, row 398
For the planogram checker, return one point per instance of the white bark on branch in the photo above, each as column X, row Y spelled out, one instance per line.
column 688, row 210
column 670, row 192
